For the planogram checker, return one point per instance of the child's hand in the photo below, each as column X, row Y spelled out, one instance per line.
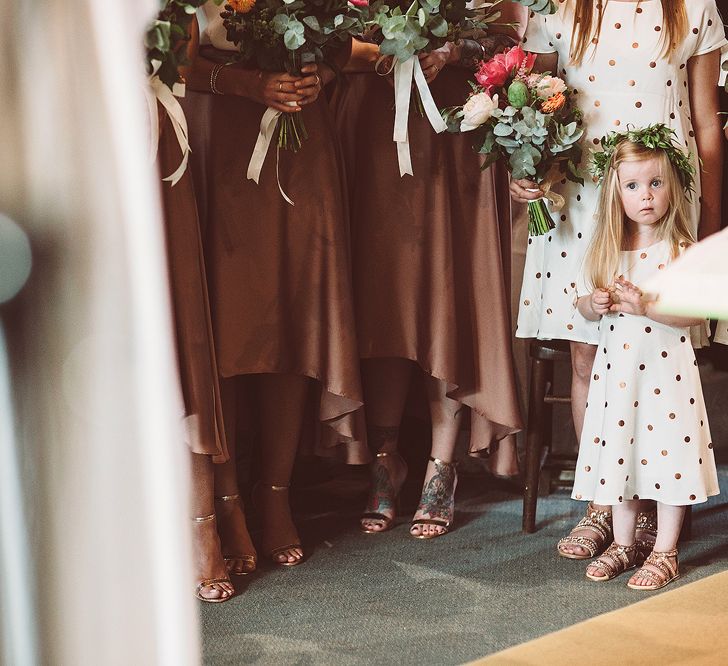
column 630, row 299
column 600, row 301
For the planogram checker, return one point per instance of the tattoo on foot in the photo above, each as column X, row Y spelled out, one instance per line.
column 437, row 499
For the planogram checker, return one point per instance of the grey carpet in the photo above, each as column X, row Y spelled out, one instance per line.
column 391, row 599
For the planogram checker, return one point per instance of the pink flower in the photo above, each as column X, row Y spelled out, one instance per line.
column 495, row 72
column 359, row 3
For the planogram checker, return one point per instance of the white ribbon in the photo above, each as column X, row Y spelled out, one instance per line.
column 268, row 124
column 158, row 92
column 404, row 74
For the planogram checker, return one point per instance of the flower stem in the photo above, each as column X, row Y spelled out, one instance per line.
column 540, row 221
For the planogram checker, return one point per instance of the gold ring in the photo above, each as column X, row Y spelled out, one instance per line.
column 280, row 85
column 437, row 69
column 318, row 80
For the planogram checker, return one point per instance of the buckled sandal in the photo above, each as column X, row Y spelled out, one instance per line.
column 599, row 522
column 294, row 543
column 646, row 527
column 614, row 561
column 665, row 574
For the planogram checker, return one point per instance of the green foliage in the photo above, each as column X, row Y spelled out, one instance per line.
column 656, row 137
column 166, row 38
column 518, row 94
column 412, row 26
column 278, row 35
column 530, row 140
column 540, row 6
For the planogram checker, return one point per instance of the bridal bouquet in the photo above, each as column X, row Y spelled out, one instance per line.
column 285, row 35
column 528, row 120
column 406, row 28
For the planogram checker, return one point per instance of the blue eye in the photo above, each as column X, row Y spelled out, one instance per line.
column 656, row 183
column 631, row 186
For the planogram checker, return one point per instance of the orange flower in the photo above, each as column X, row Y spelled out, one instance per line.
column 241, row 6
column 553, row 103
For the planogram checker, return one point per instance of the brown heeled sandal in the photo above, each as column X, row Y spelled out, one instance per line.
column 598, row 521
column 274, row 552
column 665, row 574
column 249, row 561
column 437, row 504
column 614, row 561
column 382, row 492
column 210, row 582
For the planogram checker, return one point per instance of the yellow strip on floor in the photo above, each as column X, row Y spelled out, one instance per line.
column 688, row 625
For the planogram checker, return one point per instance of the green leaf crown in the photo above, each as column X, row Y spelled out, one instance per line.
column 655, row 137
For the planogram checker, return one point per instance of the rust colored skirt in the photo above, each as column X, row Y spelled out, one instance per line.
column 279, row 275
column 191, row 309
column 429, row 257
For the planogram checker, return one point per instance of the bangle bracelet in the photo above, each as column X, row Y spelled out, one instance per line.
column 213, row 77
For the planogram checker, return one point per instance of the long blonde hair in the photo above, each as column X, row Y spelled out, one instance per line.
column 602, row 257
column 587, row 26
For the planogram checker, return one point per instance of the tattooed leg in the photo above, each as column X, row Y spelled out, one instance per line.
column 388, row 474
column 436, row 509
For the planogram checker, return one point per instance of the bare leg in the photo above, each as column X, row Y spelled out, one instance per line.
column 582, row 360
column 385, row 382
column 237, row 547
column 438, row 491
column 624, row 522
column 670, row 520
column 282, row 404
column 209, row 563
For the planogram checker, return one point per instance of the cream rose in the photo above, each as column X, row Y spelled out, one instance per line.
column 477, row 110
column 549, row 86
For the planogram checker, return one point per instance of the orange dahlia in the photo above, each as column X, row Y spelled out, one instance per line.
column 241, row 6
column 553, row 103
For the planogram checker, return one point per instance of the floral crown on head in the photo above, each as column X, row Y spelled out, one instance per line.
column 656, row 137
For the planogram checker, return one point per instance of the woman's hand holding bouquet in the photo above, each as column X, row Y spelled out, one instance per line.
column 529, row 121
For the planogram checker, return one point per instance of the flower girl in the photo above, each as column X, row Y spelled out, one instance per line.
column 646, row 432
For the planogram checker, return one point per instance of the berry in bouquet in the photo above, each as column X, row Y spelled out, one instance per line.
column 530, row 121
column 403, row 29
column 285, row 35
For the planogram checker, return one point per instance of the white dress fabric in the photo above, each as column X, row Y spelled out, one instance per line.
column 621, row 82
column 646, row 433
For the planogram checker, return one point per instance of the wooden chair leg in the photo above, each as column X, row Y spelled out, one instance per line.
column 534, row 442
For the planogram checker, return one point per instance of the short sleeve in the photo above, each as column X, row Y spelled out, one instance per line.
column 539, row 33
column 582, row 282
column 711, row 35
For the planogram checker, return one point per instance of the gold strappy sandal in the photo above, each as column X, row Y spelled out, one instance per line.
column 665, row 574
column 382, row 493
column 274, row 552
column 599, row 522
column 249, row 561
column 614, row 561
column 209, row 582
column 442, row 503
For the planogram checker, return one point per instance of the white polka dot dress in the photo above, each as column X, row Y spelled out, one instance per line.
column 646, row 433
column 625, row 82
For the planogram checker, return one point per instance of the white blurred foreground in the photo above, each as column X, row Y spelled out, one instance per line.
column 94, row 553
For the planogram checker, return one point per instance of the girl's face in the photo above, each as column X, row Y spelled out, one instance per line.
column 644, row 192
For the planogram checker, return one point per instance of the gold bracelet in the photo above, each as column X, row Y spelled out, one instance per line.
column 213, row 77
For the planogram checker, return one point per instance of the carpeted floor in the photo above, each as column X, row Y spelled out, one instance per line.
column 391, row 599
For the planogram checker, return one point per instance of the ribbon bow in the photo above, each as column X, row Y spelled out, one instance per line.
column 159, row 92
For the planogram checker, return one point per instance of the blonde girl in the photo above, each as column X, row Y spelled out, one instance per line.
column 631, row 62
column 646, row 434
